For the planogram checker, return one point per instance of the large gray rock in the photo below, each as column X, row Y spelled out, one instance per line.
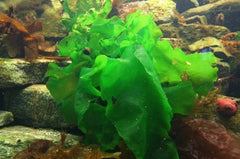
column 229, row 8
column 34, row 106
column 18, row 72
column 16, row 138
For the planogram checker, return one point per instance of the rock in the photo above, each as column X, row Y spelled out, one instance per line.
column 5, row 118
column 207, row 109
column 20, row 4
column 185, row 32
column 229, row 8
column 223, row 73
column 183, row 5
column 18, row 72
column 200, row 138
column 175, row 42
column 203, row 2
column 16, row 138
column 34, row 106
column 223, row 69
column 233, row 123
column 161, row 10
column 227, row 107
column 51, row 17
column 213, row 43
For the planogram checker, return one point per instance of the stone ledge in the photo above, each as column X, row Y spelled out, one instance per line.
column 34, row 106
column 18, row 72
column 16, row 138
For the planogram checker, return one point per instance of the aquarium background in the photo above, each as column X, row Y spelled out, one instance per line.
column 119, row 79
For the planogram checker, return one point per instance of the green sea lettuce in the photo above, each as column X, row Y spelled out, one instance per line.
column 123, row 82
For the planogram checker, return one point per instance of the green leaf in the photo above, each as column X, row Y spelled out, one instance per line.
column 86, row 91
column 238, row 35
column 58, row 81
column 108, row 28
column 201, row 71
column 177, row 93
column 99, row 130
column 169, row 63
column 140, row 99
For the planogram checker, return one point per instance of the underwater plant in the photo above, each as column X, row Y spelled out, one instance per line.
column 45, row 149
column 238, row 35
column 123, row 82
column 231, row 42
column 24, row 40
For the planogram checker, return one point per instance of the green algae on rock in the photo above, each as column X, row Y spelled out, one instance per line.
column 115, row 88
column 5, row 118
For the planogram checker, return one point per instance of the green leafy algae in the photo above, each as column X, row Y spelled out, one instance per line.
column 128, row 84
column 238, row 35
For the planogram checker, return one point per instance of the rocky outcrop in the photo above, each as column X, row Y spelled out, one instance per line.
column 18, row 72
column 162, row 10
column 186, row 32
column 24, row 93
column 229, row 9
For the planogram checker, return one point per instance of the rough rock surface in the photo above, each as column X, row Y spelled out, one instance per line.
column 5, row 118
column 200, row 138
column 216, row 46
column 223, row 72
column 183, row 5
column 18, row 72
column 190, row 33
column 16, row 138
column 161, row 10
column 229, row 8
column 34, row 106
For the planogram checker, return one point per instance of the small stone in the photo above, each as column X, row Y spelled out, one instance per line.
column 227, row 107
column 5, row 118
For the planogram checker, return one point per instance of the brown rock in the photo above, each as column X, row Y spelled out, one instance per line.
column 200, row 138
column 185, row 32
